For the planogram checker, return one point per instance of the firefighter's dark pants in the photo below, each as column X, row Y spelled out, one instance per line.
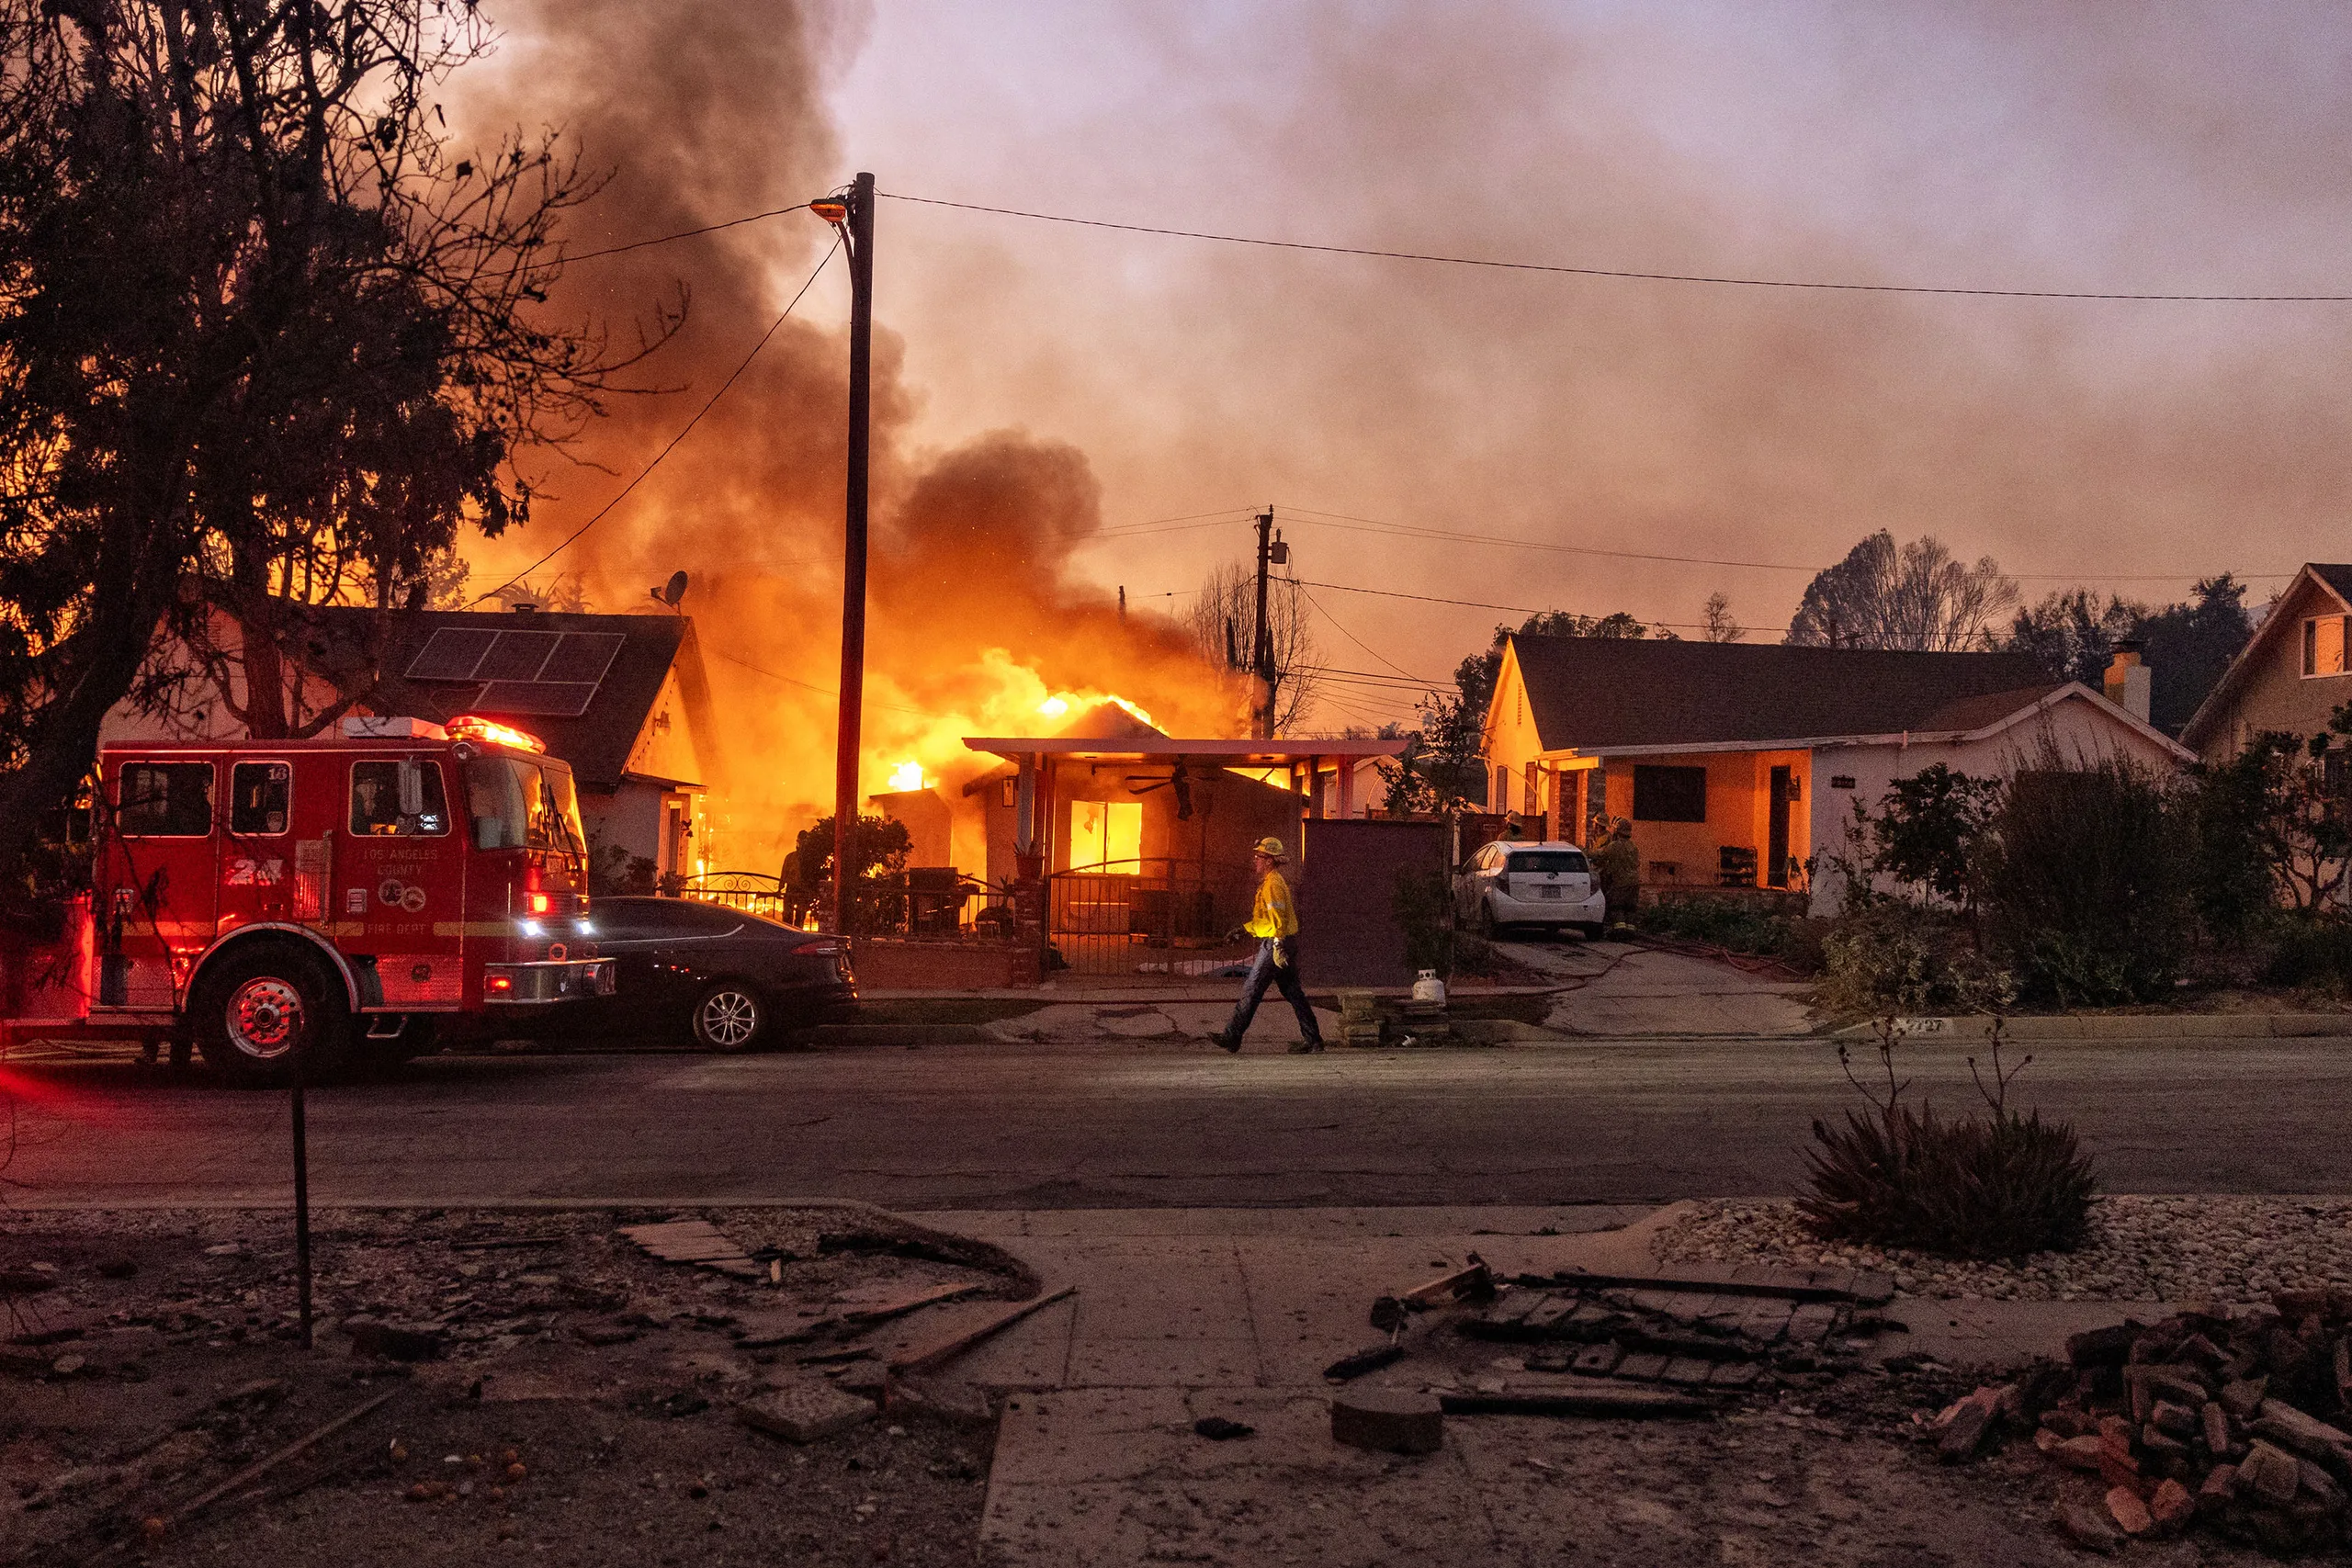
column 1266, row 971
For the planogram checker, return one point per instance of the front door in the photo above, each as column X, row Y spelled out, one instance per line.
column 1776, row 870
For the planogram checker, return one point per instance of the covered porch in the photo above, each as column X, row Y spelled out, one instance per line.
column 1129, row 855
column 1725, row 818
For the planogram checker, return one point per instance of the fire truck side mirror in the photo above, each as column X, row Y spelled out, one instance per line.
column 412, row 788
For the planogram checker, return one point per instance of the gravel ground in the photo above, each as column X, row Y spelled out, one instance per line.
column 2141, row 1249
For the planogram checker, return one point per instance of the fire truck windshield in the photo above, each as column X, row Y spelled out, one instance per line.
column 517, row 804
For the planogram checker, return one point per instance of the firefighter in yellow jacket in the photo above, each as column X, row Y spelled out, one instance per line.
column 1273, row 920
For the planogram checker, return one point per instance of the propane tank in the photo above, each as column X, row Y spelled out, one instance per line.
column 1428, row 989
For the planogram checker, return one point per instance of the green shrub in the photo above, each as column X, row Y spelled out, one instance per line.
column 1886, row 958
column 2311, row 951
column 1738, row 924
column 1997, row 1184
column 2083, row 884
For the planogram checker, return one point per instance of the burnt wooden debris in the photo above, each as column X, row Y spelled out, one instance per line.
column 1717, row 1331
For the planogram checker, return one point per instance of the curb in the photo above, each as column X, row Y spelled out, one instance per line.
column 2121, row 1026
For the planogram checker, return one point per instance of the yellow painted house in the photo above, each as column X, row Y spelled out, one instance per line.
column 2292, row 675
column 1736, row 763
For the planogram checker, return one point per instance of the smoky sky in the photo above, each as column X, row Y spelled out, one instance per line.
column 1133, row 378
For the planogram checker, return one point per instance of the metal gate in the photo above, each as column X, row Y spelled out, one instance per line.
column 1149, row 915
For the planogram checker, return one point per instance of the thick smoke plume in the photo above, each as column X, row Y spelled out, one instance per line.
column 702, row 112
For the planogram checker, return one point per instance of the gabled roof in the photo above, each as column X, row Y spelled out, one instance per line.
column 1590, row 693
column 2327, row 578
column 597, row 743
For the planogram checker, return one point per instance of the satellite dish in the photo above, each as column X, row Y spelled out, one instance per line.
column 672, row 592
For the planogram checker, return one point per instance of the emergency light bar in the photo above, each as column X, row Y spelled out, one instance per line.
column 473, row 726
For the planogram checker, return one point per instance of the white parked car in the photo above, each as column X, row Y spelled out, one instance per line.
column 1530, row 884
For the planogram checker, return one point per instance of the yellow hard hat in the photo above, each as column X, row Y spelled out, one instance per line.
column 1271, row 848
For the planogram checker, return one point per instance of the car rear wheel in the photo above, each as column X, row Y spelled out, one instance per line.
column 730, row 1016
column 1593, row 931
column 1487, row 926
column 254, row 1009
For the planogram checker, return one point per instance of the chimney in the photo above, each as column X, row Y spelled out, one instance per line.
column 2129, row 681
column 525, row 607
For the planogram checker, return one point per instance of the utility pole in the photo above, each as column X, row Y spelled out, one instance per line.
column 854, row 215
column 1261, row 647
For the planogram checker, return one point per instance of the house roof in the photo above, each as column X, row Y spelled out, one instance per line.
column 1602, row 694
column 2335, row 580
column 1150, row 747
column 597, row 743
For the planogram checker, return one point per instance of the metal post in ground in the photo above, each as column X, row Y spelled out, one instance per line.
column 858, row 227
column 294, row 1065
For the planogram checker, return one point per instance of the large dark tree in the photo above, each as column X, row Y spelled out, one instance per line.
column 1912, row 596
column 263, row 330
column 2073, row 634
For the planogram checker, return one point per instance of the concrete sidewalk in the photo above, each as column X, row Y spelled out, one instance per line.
column 1182, row 1314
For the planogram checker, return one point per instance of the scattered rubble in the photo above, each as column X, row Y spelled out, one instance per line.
column 2235, row 1418
column 1724, row 1334
column 2141, row 1249
column 170, row 1403
column 1388, row 1420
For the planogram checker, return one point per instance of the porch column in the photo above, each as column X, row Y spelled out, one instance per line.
column 1552, row 813
column 1346, row 787
column 1314, row 789
column 1024, row 810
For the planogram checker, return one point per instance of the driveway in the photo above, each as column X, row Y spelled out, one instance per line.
column 1630, row 992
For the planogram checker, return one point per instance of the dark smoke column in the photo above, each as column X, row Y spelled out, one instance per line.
column 854, row 215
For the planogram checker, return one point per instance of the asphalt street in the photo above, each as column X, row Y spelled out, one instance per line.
column 1118, row 1124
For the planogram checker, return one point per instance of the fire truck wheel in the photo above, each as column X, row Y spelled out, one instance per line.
column 254, row 1008
column 730, row 1016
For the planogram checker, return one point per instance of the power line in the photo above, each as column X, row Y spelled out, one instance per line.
column 680, row 234
column 1628, row 273
column 1311, row 516
column 812, row 686
column 1349, row 635
column 731, row 378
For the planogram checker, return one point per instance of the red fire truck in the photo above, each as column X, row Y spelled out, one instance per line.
column 348, row 896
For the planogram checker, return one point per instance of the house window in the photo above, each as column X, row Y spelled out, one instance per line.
column 2323, row 644
column 1106, row 836
column 1669, row 794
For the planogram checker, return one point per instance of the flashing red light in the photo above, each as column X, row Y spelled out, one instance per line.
column 473, row 726
column 498, row 984
column 539, row 903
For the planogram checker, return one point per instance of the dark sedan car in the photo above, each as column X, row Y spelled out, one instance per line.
column 734, row 981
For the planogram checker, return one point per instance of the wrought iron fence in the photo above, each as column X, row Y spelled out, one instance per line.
column 753, row 892
column 1153, row 915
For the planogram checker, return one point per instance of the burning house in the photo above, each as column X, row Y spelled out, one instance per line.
column 1112, row 847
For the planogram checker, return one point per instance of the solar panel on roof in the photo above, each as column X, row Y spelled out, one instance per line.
column 516, row 655
column 582, row 656
column 550, row 699
column 450, row 654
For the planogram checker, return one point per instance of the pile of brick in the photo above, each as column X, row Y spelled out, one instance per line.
column 2234, row 1418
